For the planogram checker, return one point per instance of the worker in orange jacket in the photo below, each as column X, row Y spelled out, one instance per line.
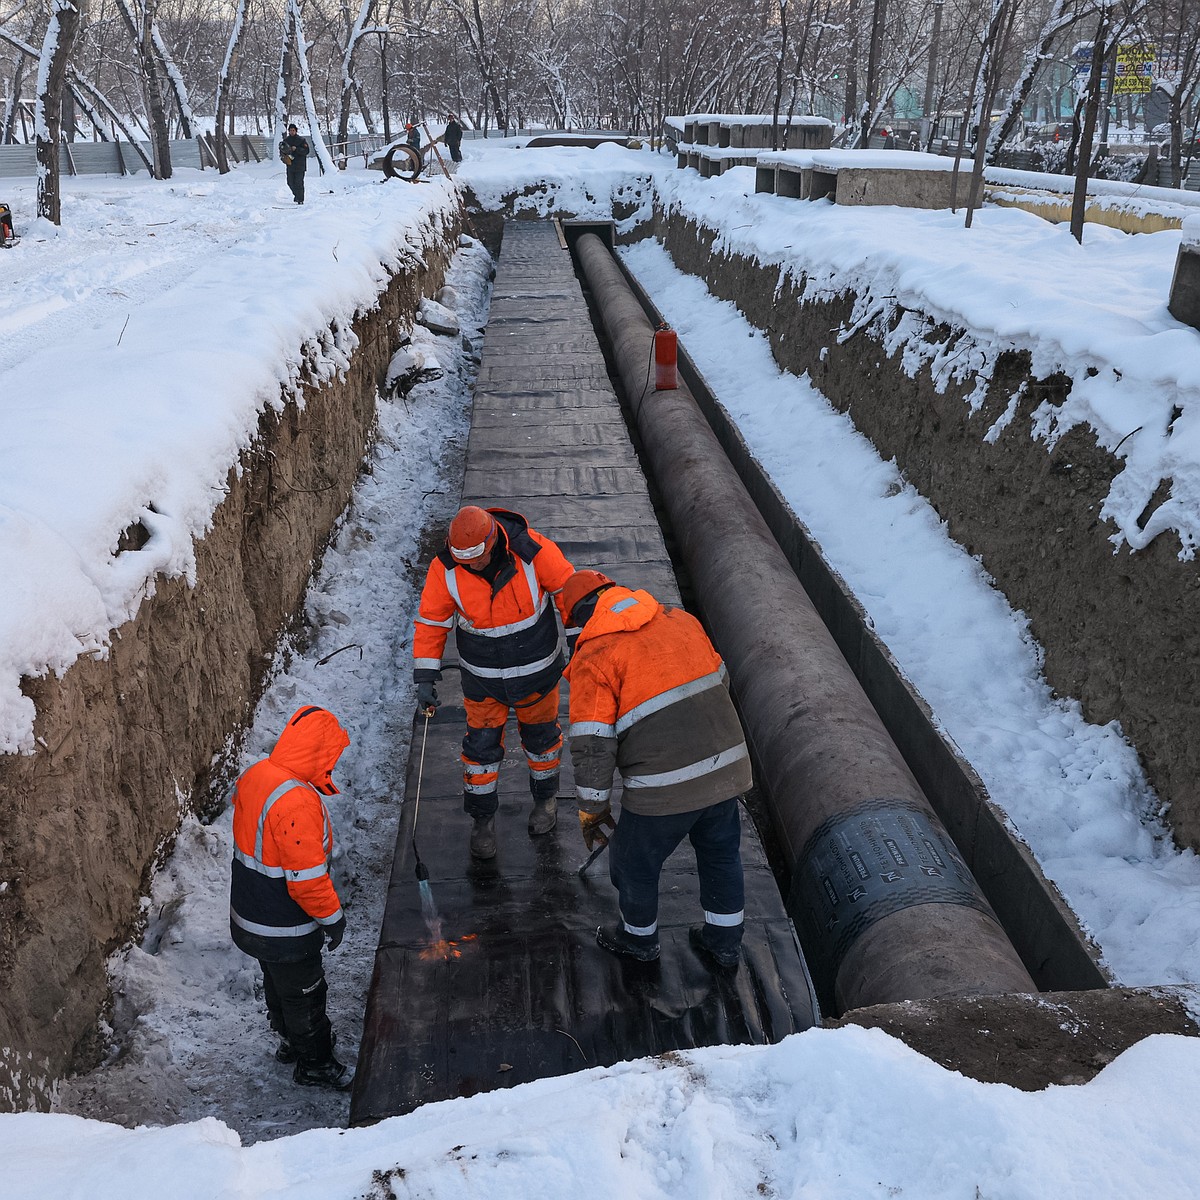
column 497, row 583
column 650, row 699
column 282, row 903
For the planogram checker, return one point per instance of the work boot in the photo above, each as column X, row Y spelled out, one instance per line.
column 618, row 940
column 287, row 1053
column 483, row 838
column 543, row 816
column 329, row 1074
column 724, row 961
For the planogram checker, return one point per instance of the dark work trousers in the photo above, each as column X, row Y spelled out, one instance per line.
column 295, row 178
column 295, row 994
column 642, row 844
column 455, row 149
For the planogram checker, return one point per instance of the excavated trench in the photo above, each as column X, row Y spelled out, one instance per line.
column 130, row 742
column 127, row 744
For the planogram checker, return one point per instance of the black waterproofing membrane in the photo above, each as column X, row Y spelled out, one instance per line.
column 489, row 975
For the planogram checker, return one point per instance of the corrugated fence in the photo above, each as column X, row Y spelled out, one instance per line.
column 120, row 158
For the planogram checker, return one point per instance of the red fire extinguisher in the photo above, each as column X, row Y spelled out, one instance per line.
column 666, row 359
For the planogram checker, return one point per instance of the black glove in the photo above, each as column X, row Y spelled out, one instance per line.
column 335, row 932
column 427, row 701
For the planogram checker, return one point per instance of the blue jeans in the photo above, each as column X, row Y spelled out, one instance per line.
column 642, row 844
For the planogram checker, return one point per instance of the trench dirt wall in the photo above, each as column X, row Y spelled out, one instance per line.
column 1121, row 631
column 131, row 742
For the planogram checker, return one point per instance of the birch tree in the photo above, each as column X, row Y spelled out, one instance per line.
column 300, row 48
column 225, row 85
column 354, row 34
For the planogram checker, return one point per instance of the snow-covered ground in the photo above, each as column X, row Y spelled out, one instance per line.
column 846, row 1113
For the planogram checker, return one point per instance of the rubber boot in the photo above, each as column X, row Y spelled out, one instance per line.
column 543, row 816
column 483, row 838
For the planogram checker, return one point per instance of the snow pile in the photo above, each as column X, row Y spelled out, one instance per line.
column 587, row 185
column 1114, row 194
column 877, row 160
column 843, row 1115
column 173, row 315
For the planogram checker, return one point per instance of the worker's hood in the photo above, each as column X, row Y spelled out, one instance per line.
column 618, row 610
column 310, row 745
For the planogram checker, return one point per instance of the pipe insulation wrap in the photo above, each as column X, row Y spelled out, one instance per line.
column 884, row 905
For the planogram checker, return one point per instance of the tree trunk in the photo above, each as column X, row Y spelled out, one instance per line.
column 52, row 75
column 1079, row 199
column 142, row 35
column 8, row 135
column 225, row 86
column 874, row 58
column 999, row 32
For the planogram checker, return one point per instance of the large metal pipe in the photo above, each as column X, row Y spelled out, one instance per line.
column 885, row 906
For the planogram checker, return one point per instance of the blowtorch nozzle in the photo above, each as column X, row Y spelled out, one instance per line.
column 422, row 871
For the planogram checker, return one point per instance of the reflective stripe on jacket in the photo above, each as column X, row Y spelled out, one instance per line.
column 650, row 697
column 281, row 893
column 510, row 641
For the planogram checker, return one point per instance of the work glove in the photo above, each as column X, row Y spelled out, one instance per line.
column 591, row 825
column 427, row 701
column 335, row 932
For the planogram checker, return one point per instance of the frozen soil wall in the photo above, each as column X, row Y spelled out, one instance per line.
column 1121, row 631
column 127, row 744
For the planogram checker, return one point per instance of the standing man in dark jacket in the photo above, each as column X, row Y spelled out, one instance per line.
column 650, row 698
column 282, row 902
column 294, row 151
column 498, row 582
column 453, row 137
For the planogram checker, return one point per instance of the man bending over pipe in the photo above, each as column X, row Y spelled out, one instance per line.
column 650, row 697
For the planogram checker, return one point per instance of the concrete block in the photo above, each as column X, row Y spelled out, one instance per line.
column 812, row 137
column 724, row 133
column 823, row 183
column 789, row 181
column 907, row 189
column 1184, row 302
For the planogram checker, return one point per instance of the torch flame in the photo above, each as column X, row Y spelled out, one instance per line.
column 445, row 949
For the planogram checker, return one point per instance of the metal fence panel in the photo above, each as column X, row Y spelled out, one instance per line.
column 103, row 158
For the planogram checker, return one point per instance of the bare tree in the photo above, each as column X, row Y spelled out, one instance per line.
column 61, row 31
column 1062, row 16
column 141, row 31
column 225, row 84
column 355, row 31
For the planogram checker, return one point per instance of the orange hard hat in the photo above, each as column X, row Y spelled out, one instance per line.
column 472, row 534
column 581, row 585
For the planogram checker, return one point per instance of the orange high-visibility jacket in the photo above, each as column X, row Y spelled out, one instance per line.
column 281, row 893
column 510, row 640
column 650, row 697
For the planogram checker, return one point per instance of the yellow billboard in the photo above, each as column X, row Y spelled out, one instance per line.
column 1134, row 69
